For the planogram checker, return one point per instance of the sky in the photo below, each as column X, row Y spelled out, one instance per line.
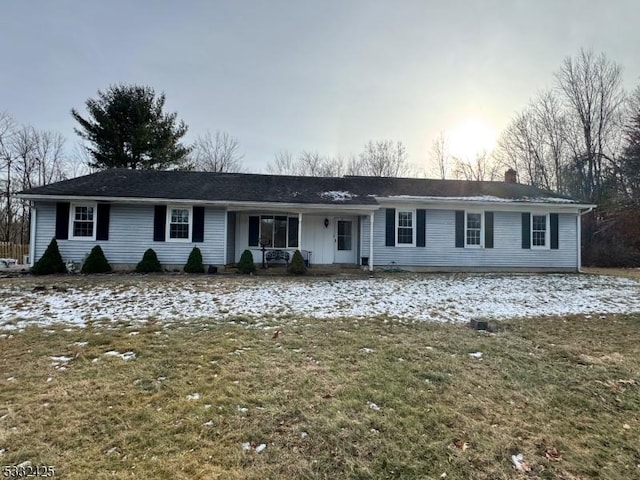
column 319, row 76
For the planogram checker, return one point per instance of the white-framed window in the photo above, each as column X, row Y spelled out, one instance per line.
column 539, row 230
column 179, row 220
column 277, row 232
column 82, row 221
column 406, row 228
column 473, row 229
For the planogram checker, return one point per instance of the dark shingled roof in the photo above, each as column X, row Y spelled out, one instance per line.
column 243, row 187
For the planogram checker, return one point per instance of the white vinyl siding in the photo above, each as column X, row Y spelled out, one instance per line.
column 507, row 251
column 130, row 234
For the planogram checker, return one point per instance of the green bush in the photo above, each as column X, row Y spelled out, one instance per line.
column 149, row 263
column 194, row 263
column 51, row 262
column 246, row 265
column 297, row 264
column 96, row 262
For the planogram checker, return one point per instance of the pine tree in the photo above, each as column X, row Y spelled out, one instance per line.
column 126, row 128
column 50, row 262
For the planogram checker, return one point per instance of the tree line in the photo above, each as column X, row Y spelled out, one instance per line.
column 579, row 137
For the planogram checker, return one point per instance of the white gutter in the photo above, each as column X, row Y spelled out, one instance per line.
column 239, row 205
column 579, row 235
column 32, row 235
column 371, row 242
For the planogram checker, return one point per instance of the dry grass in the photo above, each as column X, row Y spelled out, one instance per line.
column 572, row 384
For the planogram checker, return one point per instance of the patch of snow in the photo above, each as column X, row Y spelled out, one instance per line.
column 60, row 359
column 81, row 344
column 11, row 379
column 193, row 396
column 338, row 196
column 442, row 298
column 126, row 356
column 477, row 355
column 373, row 406
column 486, row 198
column 304, row 434
column 366, row 350
column 242, row 409
column 260, row 447
column 246, row 446
column 208, row 424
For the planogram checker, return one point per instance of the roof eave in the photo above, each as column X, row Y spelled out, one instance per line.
column 231, row 204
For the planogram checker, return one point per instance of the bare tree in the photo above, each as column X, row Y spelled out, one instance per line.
column 217, row 153
column 439, row 156
column 593, row 95
column 384, row 158
column 310, row 164
column 7, row 133
column 480, row 168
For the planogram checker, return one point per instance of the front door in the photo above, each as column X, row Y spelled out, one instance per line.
column 344, row 241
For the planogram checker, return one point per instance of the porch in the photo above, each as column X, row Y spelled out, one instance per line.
column 326, row 237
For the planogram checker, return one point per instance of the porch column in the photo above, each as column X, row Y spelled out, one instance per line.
column 371, row 242
column 300, row 231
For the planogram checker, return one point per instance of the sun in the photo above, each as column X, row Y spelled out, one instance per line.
column 471, row 137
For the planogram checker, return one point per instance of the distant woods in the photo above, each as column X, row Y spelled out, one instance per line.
column 579, row 137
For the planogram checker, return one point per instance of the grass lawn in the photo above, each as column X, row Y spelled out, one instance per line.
column 336, row 398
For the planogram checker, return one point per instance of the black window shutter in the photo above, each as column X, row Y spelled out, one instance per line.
column 197, row 234
column 62, row 220
column 421, row 216
column 553, row 220
column 526, row 230
column 390, row 237
column 488, row 229
column 254, row 231
column 159, row 223
column 293, row 231
column 459, row 228
column 102, row 224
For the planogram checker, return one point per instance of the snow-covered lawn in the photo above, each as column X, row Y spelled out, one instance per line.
column 442, row 298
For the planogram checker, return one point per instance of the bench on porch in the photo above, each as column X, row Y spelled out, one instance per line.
column 278, row 256
column 273, row 256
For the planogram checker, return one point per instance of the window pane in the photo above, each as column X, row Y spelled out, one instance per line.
column 179, row 215
column 474, row 220
column 539, row 230
column 293, row 232
column 179, row 230
column 280, row 232
column 266, row 231
column 83, row 229
column 405, row 219
column 344, row 235
column 473, row 237
column 474, row 227
column 405, row 235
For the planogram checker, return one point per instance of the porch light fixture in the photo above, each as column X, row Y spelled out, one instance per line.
column 326, row 223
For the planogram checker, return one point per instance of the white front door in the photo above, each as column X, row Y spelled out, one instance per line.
column 344, row 241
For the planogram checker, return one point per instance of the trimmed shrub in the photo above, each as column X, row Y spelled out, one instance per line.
column 246, row 265
column 96, row 262
column 149, row 263
column 51, row 261
column 194, row 263
column 297, row 264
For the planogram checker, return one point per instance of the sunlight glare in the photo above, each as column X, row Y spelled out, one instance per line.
column 471, row 137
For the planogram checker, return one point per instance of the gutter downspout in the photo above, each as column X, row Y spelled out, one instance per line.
column 579, row 235
column 371, row 242
column 32, row 235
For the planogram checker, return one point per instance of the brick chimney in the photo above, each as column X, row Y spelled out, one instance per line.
column 510, row 176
